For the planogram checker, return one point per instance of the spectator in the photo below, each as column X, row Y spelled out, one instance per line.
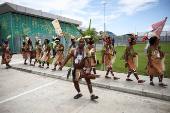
column 113, row 41
column 2, row 42
column 53, row 45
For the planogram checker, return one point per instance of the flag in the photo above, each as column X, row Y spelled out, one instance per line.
column 57, row 27
column 157, row 27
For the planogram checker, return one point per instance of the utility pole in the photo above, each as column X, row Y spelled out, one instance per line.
column 60, row 13
column 104, row 18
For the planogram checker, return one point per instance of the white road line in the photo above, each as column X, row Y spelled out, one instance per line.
column 16, row 62
column 27, row 92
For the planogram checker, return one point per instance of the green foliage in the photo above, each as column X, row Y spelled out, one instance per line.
column 26, row 47
column 49, row 47
column 39, row 48
column 103, row 50
column 24, row 36
column 149, row 51
column 89, row 32
column 67, row 35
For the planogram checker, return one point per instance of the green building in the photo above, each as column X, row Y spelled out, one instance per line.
column 16, row 20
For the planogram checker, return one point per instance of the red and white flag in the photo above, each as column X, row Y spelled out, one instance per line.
column 157, row 27
column 57, row 27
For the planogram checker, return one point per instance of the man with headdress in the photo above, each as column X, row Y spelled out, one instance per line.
column 154, row 66
column 29, row 50
column 108, row 51
column 59, row 57
column 24, row 52
column 46, row 53
column 6, row 55
column 38, row 53
column 92, row 54
column 79, row 70
column 129, row 56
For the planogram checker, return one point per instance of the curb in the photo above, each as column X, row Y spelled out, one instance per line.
column 105, row 86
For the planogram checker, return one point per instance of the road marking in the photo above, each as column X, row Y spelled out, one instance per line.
column 27, row 92
column 16, row 62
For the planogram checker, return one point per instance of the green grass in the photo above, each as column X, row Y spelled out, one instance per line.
column 119, row 65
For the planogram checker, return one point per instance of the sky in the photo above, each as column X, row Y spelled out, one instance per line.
column 121, row 16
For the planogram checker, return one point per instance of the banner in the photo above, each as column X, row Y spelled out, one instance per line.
column 57, row 27
column 157, row 27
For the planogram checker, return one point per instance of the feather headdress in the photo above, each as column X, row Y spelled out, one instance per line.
column 8, row 37
column 27, row 38
column 87, row 37
column 153, row 35
column 36, row 38
column 133, row 35
column 81, row 38
column 72, row 37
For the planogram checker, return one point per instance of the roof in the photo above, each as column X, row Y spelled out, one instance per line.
column 9, row 7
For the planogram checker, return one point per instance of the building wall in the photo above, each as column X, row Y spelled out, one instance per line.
column 32, row 26
column 5, row 27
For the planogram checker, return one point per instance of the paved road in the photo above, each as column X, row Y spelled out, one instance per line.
column 22, row 92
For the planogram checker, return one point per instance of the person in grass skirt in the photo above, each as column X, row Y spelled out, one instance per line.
column 154, row 65
column 92, row 54
column 59, row 56
column 79, row 69
column 129, row 56
column 108, row 51
column 46, row 53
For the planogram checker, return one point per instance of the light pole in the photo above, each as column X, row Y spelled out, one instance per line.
column 135, row 30
column 60, row 13
column 104, row 18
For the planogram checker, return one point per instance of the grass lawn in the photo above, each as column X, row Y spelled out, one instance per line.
column 119, row 65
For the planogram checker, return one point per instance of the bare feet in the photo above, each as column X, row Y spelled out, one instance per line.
column 152, row 84
column 128, row 79
column 47, row 67
column 141, row 81
column 53, row 69
column 41, row 66
column 116, row 78
column 161, row 84
column 31, row 65
column 107, row 77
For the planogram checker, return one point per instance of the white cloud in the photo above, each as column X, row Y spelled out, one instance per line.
column 131, row 6
column 166, row 28
column 103, row 2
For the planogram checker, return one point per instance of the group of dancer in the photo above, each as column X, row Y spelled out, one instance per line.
column 84, row 59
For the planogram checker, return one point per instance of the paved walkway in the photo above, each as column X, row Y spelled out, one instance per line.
column 122, row 85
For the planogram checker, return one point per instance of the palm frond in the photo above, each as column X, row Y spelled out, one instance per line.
column 78, row 30
column 89, row 24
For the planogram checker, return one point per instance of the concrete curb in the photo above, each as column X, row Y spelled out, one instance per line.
column 106, row 86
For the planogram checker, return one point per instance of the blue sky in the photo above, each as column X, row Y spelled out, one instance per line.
column 122, row 16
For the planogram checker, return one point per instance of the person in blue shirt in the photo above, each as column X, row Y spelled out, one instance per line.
column 2, row 42
column 113, row 41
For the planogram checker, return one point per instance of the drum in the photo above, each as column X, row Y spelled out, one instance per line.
column 33, row 54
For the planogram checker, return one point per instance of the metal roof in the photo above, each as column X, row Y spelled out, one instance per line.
column 9, row 7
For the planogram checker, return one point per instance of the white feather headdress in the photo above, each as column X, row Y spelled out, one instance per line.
column 8, row 37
